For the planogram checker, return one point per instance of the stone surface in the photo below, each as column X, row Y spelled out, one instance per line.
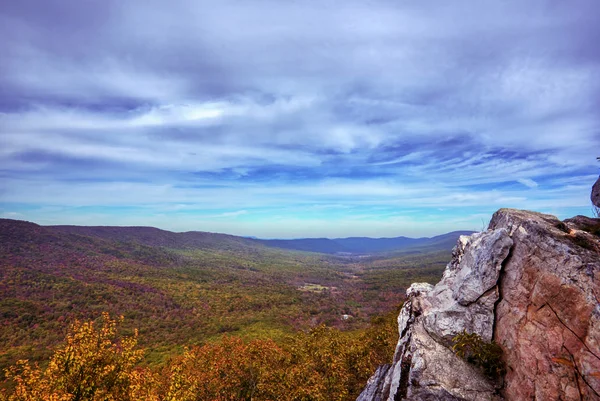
column 548, row 319
column 464, row 299
column 583, row 223
column 531, row 283
column 375, row 388
column 595, row 196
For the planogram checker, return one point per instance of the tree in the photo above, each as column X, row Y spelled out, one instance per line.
column 93, row 364
column 228, row 370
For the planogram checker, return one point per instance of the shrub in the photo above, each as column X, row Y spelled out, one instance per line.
column 473, row 349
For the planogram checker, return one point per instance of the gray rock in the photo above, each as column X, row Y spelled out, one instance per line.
column 436, row 373
column 424, row 367
column 530, row 282
column 375, row 389
column 464, row 299
column 595, row 196
column 480, row 267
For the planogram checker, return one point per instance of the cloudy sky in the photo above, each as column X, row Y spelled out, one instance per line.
column 297, row 118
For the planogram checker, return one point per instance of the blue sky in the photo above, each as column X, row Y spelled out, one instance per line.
column 297, row 118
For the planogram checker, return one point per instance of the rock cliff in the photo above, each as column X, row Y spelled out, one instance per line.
column 531, row 283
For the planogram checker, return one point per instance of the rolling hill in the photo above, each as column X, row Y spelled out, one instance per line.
column 156, row 237
column 151, row 236
column 189, row 288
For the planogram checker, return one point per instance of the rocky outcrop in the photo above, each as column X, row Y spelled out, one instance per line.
column 548, row 322
column 595, row 196
column 531, row 283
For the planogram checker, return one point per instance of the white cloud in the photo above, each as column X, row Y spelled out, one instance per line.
column 528, row 182
column 393, row 104
column 230, row 214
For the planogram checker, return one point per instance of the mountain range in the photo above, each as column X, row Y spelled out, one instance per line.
column 151, row 236
column 367, row 245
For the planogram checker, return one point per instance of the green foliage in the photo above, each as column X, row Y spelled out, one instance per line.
column 96, row 364
column 189, row 300
column 472, row 348
column 194, row 297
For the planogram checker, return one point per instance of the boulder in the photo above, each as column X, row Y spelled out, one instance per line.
column 531, row 283
column 548, row 319
column 375, row 388
column 595, row 196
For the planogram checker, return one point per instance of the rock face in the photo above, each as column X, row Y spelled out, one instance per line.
column 595, row 196
column 530, row 283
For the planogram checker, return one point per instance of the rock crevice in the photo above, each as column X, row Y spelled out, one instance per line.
column 530, row 282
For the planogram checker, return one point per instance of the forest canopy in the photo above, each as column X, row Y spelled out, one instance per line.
column 96, row 362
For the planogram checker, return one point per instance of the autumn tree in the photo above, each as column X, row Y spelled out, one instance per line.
column 93, row 364
column 229, row 370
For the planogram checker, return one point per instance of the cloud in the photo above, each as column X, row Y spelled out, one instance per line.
column 231, row 214
column 528, row 182
column 267, row 104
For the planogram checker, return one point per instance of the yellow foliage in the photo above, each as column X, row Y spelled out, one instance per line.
column 92, row 365
column 229, row 370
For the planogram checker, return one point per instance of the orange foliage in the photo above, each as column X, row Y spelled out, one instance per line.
column 94, row 364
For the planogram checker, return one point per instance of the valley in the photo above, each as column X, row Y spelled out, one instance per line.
column 180, row 290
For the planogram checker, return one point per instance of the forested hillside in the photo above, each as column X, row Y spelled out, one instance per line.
column 214, row 292
column 203, row 240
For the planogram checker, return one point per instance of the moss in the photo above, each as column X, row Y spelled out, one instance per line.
column 473, row 349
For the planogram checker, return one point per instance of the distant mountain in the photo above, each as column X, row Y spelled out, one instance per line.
column 373, row 245
column 26, row 242
column 154, row 237
column 444, row 241
column 367, row 245
column 320, row 245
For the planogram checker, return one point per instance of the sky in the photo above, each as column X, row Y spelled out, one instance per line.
column 299, row 118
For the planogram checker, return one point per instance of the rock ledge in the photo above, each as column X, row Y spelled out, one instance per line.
column 532, row 284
